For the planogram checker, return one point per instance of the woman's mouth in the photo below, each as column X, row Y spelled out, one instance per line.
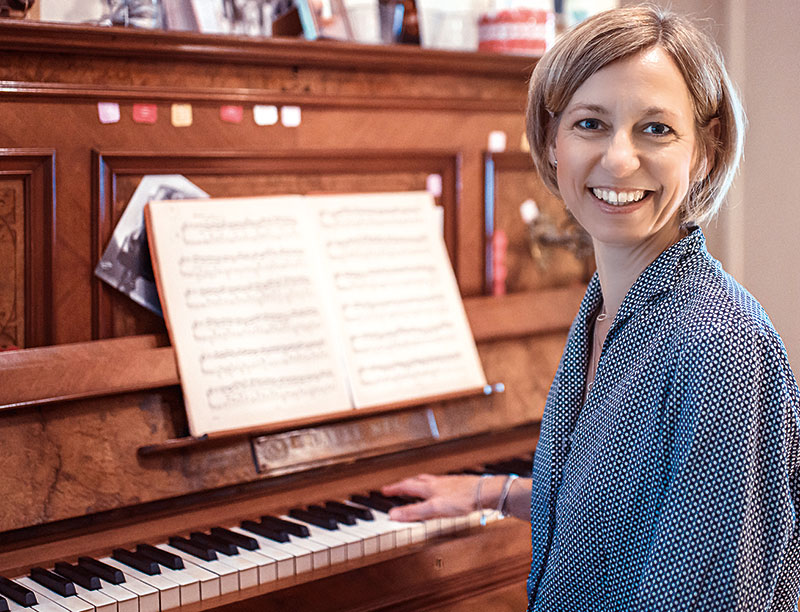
column 620, row 201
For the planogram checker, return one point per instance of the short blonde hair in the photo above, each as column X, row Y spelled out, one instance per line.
column 620, row 33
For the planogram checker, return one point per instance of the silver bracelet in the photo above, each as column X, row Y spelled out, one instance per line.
column 478, row 503
column 504, row 495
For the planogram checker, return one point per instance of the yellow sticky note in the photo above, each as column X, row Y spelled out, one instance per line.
column 524, row 145
column 181, row 115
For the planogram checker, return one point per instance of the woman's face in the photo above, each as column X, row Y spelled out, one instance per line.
column 626, row 150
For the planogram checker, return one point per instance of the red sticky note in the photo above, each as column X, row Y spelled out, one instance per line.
column 231, row 113
column 145, row 113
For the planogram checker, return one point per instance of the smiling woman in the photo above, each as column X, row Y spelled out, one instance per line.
column 667, row 473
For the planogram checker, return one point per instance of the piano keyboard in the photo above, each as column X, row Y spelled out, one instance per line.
column 205, row 565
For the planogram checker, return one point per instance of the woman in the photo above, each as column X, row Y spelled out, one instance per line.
column 666, row 474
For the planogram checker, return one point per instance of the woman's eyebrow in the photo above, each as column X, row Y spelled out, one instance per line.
column 592, row 108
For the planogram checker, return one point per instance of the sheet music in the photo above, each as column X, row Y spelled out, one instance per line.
column 395, row 299
column 245, row 308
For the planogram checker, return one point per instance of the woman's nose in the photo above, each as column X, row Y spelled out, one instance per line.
column 620, row 157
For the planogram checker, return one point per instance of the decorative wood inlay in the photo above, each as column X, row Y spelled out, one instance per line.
column 27, row 208
column 231, row 174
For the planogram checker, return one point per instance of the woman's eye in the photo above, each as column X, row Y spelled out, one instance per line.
column 658, row 129
column 588, row 124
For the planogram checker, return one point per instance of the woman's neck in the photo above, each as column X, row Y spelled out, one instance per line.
column 619, row 265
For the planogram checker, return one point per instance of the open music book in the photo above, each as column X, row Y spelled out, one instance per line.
column 287, row 307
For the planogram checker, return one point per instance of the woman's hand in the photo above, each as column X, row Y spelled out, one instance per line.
column 442, row 495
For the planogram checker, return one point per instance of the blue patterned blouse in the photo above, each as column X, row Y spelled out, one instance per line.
column 676, row 486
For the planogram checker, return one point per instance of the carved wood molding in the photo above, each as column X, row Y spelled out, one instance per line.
column 61, row 91
column 108, row 166
column 35, row 168
column 157, row 45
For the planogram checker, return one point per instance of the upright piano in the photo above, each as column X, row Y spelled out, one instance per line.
column 96, row 455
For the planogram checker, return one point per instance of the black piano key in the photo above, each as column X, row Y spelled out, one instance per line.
column 136, row 561
column 3, row 605
column 218, row 544
column 162, row 557
column 363, row 513
column 340, row 516
column 265, row 532
column 17, row 592
column 78, row 575
column 372, row 502
column 242, row 541
column 326, row 522
column 192, row 548
column 392, row 499
column 101, row 570
column 54, row 582
column 296, row 529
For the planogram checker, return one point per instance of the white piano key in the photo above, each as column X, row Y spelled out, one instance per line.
column 44, row 605
column 208, row 582
column 474, row 518
column 246, row 569
column 127, row 601
column 386, row 533
column 188, row 583
column 147, row 596
column 368, row 537
column 73, row 603
column 461, row 523
column 405, row 533
column 353, row 546
column 266, row 567
column 291, row 558
column 337, row 549
column 228, row 576
column 168, row 592
column 101, row 601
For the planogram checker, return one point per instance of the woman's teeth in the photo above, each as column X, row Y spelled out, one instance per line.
column 618, row 198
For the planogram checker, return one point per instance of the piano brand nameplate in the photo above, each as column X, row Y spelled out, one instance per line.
column 314, row 446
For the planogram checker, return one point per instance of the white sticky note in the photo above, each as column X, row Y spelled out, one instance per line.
column 181, row 115
column 497, row 141
column 433, row 185
column 265, row 114
column 290, row 116
column 108, row 112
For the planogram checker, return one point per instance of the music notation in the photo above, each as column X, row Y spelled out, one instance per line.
column 289, row 307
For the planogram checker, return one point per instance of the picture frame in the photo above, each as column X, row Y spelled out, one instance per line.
column 324, row 19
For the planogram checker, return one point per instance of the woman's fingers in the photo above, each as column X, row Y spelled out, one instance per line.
column 418, row 486
column 414, row 512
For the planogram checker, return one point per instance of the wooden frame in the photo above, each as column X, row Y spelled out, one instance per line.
column 109, row 166
column 36, row 169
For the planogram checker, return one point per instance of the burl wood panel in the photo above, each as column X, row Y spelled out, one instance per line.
column 12, row 272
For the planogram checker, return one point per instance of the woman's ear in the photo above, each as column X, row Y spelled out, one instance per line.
column 707, row 151
column 552, row 155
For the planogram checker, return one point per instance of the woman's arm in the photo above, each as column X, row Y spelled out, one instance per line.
column 458, row 495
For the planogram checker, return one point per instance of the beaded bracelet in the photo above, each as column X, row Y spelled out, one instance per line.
column 504, row 495
column 478, row 503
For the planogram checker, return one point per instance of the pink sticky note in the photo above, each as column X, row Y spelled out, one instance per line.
column 145, row 113
column 231, row 113
column 108, row 112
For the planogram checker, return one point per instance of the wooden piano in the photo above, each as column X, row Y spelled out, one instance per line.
column 96, row 452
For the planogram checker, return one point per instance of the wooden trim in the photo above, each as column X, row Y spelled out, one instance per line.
column 94, row 369
column 159, row 46
column 79, row 92
column 36, row 168
column 107, row 166
column 523, row 314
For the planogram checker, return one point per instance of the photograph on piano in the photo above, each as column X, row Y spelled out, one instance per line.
column 375, row 387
